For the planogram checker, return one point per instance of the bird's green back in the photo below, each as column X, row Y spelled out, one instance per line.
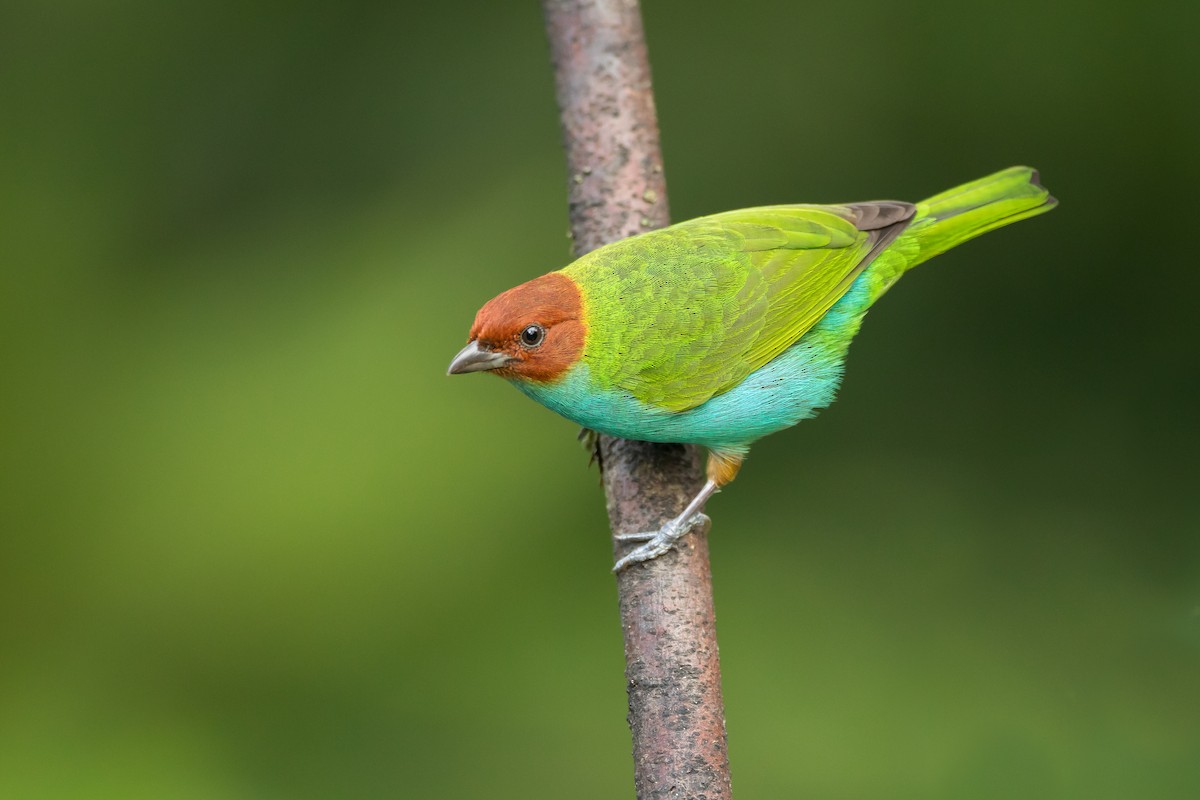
column 679, row 315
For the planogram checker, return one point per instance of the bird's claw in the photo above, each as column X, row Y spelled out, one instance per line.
column 591, row 442
column 657, row 542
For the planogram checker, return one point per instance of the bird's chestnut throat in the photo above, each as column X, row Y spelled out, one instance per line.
column 552, row 303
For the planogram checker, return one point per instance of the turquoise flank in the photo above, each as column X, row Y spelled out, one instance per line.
column 791, row 387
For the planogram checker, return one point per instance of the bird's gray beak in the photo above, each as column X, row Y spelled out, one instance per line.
column 474, row 358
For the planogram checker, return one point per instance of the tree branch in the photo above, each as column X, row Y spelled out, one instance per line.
column 617, row 189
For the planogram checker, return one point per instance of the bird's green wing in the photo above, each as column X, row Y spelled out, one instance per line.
column 679, row 315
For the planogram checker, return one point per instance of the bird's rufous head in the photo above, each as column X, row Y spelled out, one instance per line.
column 533, row 331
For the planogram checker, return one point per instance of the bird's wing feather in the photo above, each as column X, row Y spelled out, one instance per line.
column 679, row 315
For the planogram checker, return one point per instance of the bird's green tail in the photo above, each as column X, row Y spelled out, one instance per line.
column 964, row 212
column 951, row 218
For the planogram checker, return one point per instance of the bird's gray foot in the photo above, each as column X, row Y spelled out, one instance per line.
column 657, row 542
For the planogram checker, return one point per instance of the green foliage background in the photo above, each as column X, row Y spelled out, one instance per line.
column 256, row 545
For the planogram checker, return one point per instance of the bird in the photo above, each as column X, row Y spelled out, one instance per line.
column 723, row 329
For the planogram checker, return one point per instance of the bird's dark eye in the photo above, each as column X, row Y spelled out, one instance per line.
column 532, row 335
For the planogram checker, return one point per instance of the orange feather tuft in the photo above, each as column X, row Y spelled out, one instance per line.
column 723, row 466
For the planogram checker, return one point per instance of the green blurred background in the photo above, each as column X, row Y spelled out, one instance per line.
column 256, row 545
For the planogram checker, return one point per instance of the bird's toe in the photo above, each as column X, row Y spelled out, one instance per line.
column 642, row 536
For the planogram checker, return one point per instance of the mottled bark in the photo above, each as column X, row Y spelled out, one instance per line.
column 617, row 189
